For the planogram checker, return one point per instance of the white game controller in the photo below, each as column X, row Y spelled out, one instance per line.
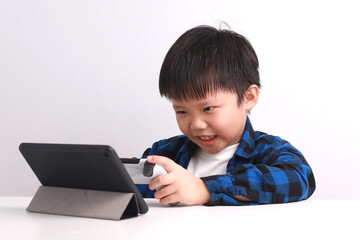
column 141, row 171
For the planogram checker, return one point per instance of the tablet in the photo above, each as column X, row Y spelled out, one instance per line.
column 93, row 167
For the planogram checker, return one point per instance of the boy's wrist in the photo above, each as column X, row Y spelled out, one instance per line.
column 205, row 195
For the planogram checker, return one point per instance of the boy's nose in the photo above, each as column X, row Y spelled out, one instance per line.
column 197, row 124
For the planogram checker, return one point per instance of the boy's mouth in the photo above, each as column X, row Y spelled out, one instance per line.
column 207, row 140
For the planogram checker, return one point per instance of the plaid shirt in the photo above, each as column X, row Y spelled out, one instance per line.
column 265, row 169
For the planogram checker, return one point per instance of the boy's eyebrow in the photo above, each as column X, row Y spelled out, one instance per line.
column 203, row 102
column 177, row 106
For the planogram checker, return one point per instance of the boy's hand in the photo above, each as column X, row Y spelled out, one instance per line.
column 179, row 185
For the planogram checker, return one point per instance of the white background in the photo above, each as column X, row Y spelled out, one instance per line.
column 87, row 72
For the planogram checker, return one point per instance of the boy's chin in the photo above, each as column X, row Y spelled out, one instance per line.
column 211, row 149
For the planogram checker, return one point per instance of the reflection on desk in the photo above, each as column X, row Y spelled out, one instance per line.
column 311, row 219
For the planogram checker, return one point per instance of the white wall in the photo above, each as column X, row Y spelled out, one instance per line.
column 86, row 72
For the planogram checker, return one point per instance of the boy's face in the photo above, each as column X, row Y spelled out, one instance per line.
column 215, row 122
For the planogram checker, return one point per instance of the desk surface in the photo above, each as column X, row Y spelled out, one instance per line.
column 312, row 219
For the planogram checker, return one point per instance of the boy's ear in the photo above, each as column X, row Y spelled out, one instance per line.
column 251, row 97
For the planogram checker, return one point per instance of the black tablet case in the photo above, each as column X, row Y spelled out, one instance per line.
column 82, row 180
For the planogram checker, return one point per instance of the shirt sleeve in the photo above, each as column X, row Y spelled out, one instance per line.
column 283, row 175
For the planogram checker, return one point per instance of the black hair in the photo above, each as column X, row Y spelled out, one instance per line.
column 205, row 59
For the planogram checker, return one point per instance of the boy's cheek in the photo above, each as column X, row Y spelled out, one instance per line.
column 183, row 128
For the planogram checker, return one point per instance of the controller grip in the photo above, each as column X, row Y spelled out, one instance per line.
column 141, row 171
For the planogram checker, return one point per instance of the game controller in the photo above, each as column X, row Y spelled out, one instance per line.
column 141, row 171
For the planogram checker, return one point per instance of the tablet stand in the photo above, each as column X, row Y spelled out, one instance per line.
column 84, row 203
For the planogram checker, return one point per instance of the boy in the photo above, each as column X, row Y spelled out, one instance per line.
column 211, row 76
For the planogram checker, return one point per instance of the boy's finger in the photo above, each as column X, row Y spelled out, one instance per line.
column 160, row 181
column 170, row 199
column 165, row 162
column 165, row 191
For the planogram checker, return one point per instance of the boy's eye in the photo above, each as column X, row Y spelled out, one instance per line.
column 180, row 112
column 208, row 109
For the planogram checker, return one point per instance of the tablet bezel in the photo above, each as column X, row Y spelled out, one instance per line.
column 94, row 167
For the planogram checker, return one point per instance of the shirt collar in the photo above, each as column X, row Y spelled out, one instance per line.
column 246, row 147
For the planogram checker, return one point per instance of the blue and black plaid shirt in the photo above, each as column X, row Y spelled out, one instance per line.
column 265, row 169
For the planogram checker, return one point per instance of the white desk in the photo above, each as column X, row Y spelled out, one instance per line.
column 311, row 219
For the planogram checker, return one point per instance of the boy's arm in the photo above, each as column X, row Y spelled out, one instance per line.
column 284, row 176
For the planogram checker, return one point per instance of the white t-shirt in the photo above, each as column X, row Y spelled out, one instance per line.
column 203, row 164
